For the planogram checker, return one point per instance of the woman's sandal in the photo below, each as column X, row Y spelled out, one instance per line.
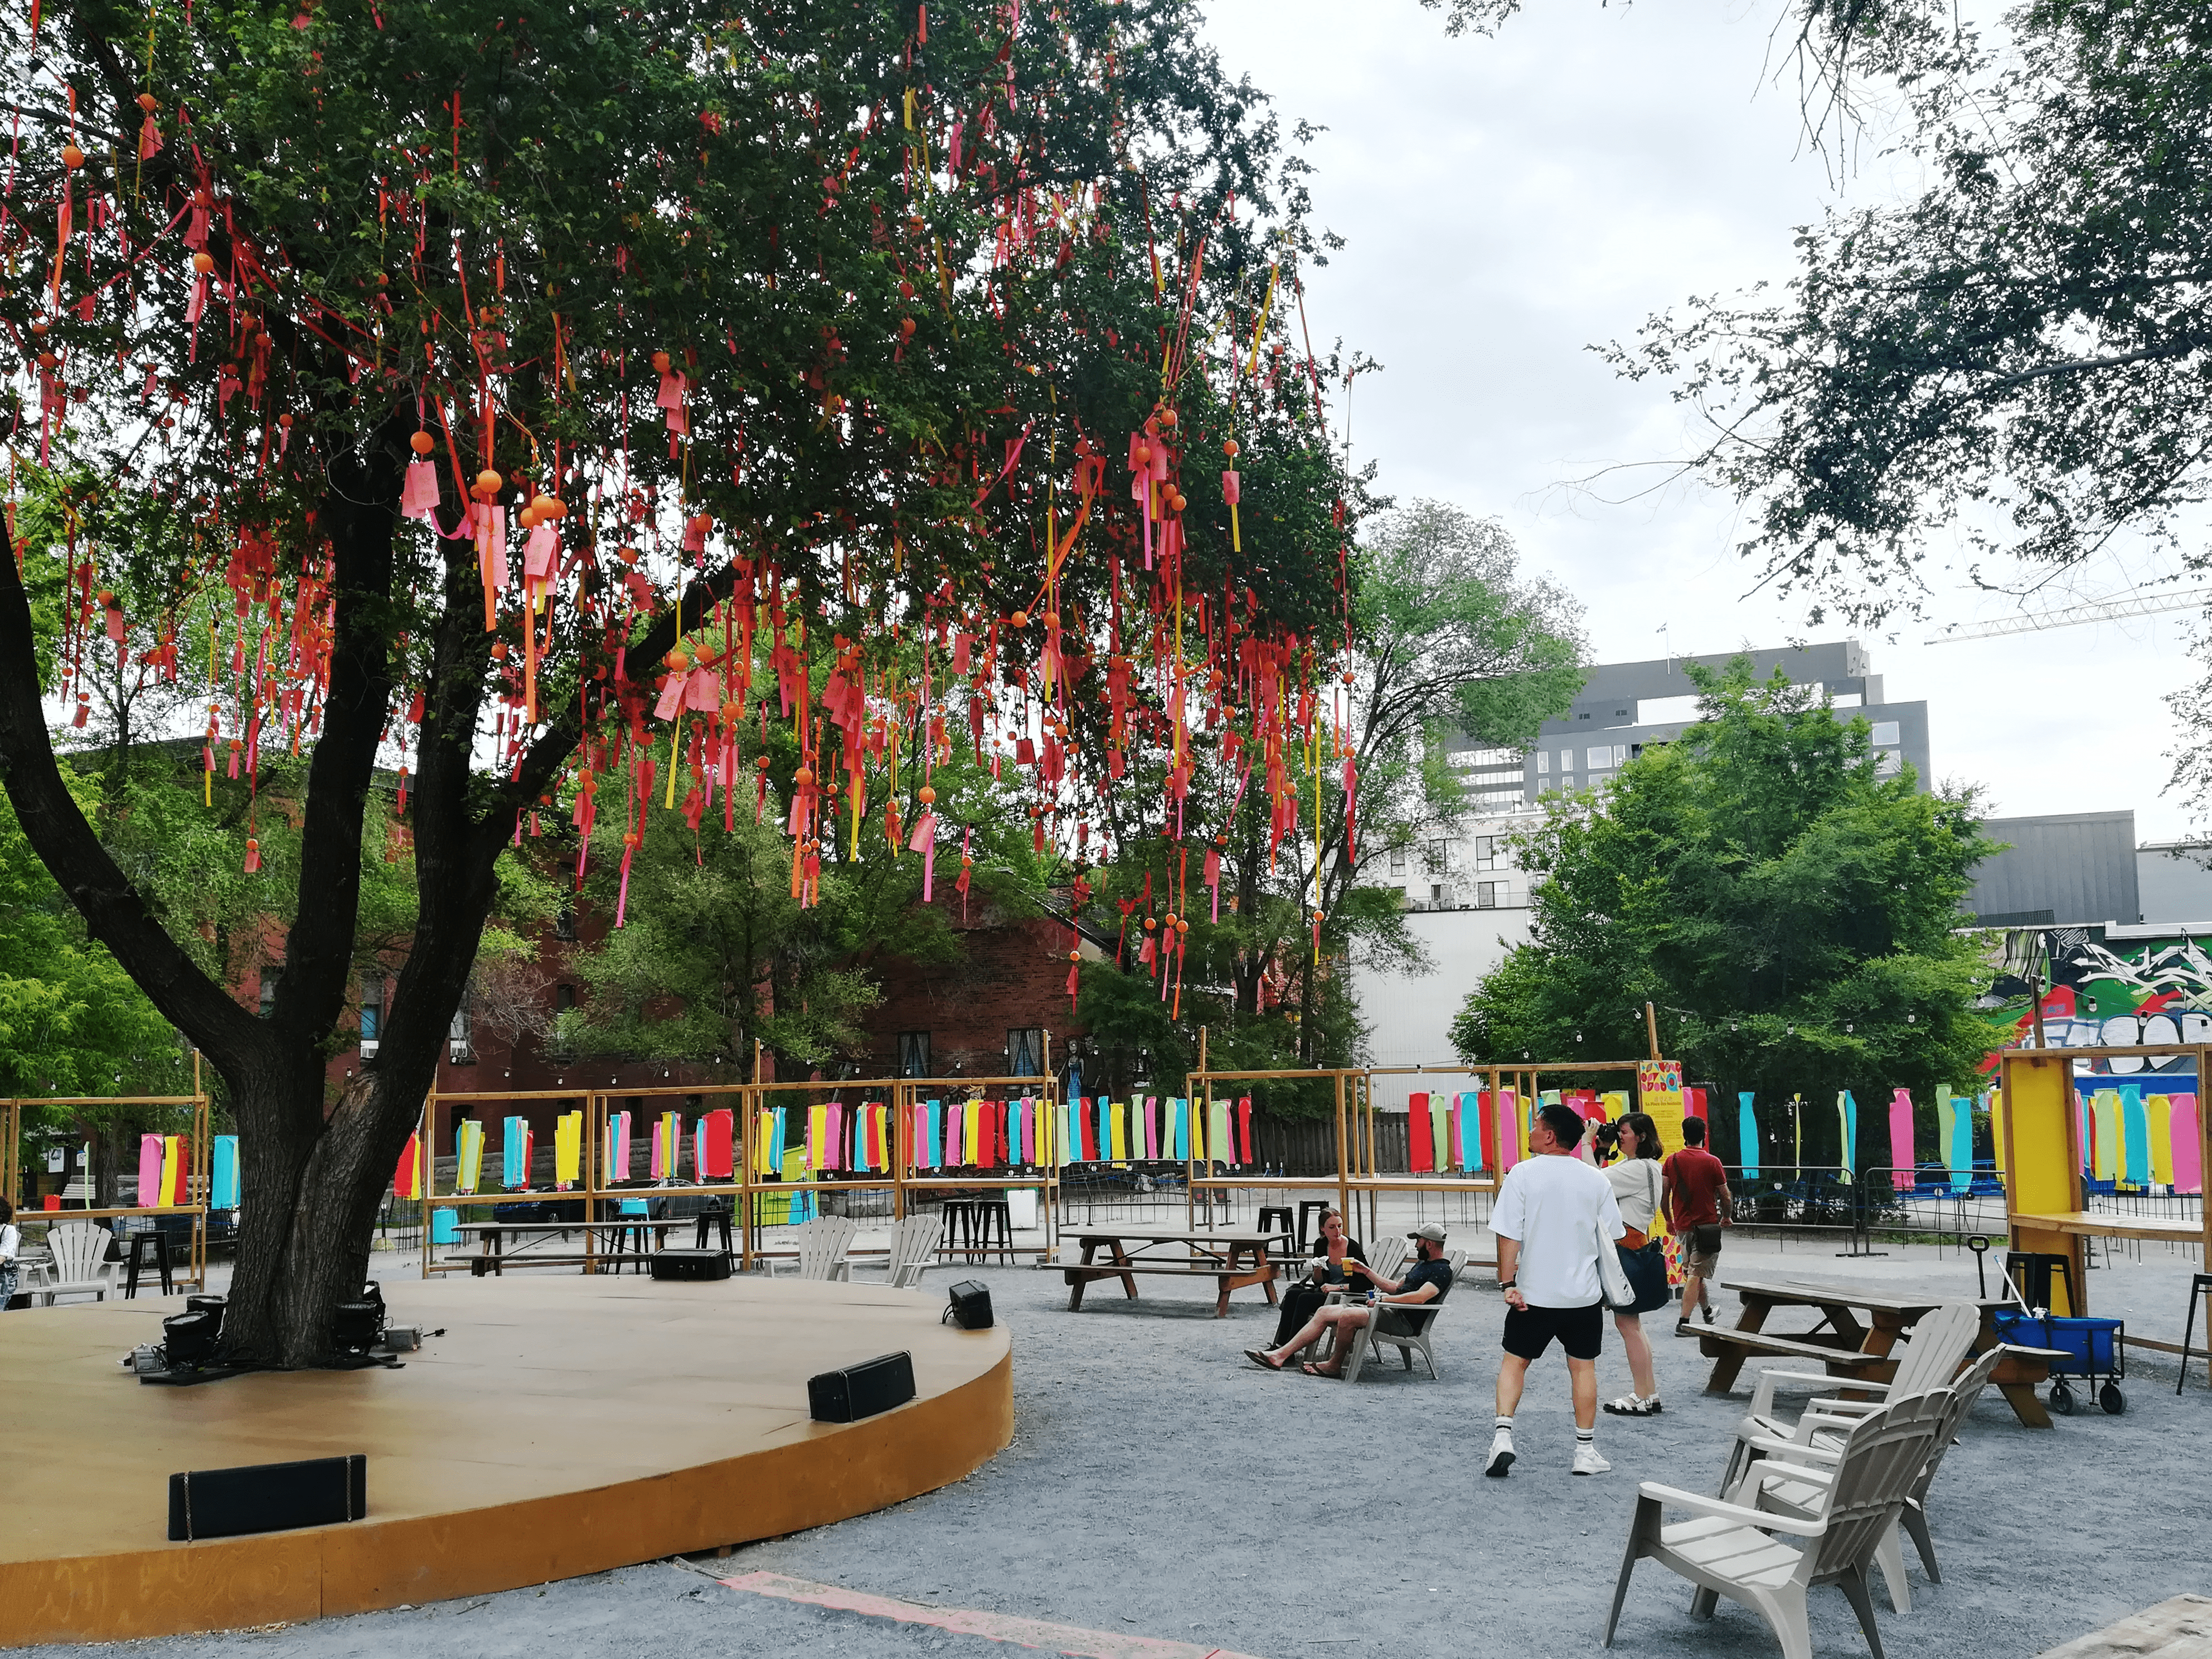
column 1631, row 1405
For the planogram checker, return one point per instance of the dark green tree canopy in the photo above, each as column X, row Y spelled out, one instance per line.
column 1790, row 912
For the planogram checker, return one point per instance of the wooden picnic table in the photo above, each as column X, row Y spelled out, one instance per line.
column 1859, row 1326
column 492, row 1255
column 1232, row 1256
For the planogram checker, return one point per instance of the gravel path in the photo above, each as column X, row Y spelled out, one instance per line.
column 1159, row 1485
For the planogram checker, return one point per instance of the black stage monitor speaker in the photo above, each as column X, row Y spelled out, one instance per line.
column 971, row 1305
column 861, row 1390
column 268, row 1496
column 690, row 1264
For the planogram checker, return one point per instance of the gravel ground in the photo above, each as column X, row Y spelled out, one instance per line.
column 1159, row 1485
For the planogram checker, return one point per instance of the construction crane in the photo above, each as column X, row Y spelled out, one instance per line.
column 2120, row 606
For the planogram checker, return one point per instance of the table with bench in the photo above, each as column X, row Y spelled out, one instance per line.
column 492, row 1255
column 1234, row 1257
column 1851, row 1347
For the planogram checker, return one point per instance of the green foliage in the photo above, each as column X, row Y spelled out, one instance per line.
column 1790, row 913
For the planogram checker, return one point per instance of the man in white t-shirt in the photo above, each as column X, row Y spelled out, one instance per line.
column 1552, row 1210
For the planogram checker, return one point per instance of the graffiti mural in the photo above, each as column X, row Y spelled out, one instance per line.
column 2105, row 994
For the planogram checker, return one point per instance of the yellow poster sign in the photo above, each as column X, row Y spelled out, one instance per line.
column 1659, row 1092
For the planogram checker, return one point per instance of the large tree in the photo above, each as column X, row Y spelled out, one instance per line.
column 791, row 315
column 1791, row 912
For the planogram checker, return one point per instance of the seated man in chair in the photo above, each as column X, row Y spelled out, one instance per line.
column 1426, row 1280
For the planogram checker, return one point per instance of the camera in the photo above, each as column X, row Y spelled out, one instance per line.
column 1608, row 1140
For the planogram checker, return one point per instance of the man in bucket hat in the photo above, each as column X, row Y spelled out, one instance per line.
column 1425, row 1279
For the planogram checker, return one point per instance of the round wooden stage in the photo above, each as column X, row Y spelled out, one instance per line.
column 561, row 1426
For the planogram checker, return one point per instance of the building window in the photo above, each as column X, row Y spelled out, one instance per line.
column 564, row 924
column 1397, row 860
column 268, row 978
column 459, row 1049
column 1566, row 760
column 1439, row 856
column 1885, row 734
column 1888, row 763
column 1543, row 761
column 372, row 1011
column 1487, row 894
column 564, row 998
column 1485, row 851
column 914, row 1054
column 1025, row 1051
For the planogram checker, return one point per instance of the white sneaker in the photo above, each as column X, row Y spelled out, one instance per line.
column 1587, row 1461
column 1501, row 1454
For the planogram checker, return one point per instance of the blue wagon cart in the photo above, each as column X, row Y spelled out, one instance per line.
column 2094, row 1348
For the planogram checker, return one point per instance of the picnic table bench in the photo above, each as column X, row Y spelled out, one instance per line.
column 492, row 1255
column 1851, row 1348
column 1233, row 1257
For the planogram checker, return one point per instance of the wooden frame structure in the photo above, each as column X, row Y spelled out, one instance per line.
column 1043, row 1089
column 2043, row 1200
column 197, row 1174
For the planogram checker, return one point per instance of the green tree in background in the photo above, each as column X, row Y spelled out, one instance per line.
column 1791, row 913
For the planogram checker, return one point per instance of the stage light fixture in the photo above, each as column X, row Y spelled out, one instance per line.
column 353, row 1328
column 188, row 1340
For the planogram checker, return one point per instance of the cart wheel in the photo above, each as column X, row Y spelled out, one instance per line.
column 2062, row 1400
column 2111, row 1398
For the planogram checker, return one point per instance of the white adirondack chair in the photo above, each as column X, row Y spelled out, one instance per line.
column 81, row 1265
column 823, row 1244
column 1787, row 1492
column 1729, row 1550
column 1387, row 1257
column 1927, row 1359
column 913, row 1248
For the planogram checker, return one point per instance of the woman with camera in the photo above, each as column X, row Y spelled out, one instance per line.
column 1631, row 1145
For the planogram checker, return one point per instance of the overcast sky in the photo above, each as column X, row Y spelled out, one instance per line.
column 1510, row 202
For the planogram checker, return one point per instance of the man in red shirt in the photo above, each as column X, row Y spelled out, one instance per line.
column 1697, row 1206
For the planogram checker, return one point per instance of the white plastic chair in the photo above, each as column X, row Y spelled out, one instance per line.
column 1396, row 1326
column 822, row 1246
column 912, row 1250
column 1791, row 1493
column 1928, row 1358
column 1729, row 1550
column 81, row 1265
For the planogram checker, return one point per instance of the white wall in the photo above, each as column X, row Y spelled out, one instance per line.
column 1409, row 1016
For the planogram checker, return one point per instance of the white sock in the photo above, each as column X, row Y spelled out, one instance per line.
column 1505, row 1427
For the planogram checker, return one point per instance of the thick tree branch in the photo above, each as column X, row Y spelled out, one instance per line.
column 65, row 843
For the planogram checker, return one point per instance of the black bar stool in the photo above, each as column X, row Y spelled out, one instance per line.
column 959, row 1224
column 2200, row 1286
column 1310, row 1211
column 139, row 1244
column 1275, row 1218
column 994, row 1228
column 2029, row 1271
column 715, row 1214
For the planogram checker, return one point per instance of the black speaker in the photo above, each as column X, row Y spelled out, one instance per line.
column 690, row 1264
column 971, row 1305
column 214, row 1304
column 188, row 1339
column 861, row 1390
column 355, row 1326
column 268, row 1496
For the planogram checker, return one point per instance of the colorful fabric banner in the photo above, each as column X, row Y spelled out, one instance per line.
column 1900, row 1139
column 176, row 1170
column 407, row 1179
column 2157, row 1109
column 567, row 1150
column 1244, row 1131
column 149, row 1170
column 2134, row 1136
column 1507, row 1115
column 617, row 1154
column 514, row 1154
column 1218, row 1150
column 1947, row 1119
column 1746, row 1129
column 1466, row 1130
column 1847, row 1131
column 1420, row 1135
column 714, row 1154
column 2188, row 1146
column 1995, row 1100
column 223, row 1180
column 1961, row 1155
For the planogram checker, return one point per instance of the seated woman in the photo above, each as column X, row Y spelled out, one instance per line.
column 1426, row 1280
column 1329, row 1271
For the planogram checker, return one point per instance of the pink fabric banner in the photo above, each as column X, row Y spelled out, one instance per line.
column 2188, row 1146
column 150, row 1169
column 1900, row 1137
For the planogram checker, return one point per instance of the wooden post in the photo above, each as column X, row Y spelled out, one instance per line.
column 2035, row 992
column 1343, row 1152
column 429, row 1169
column 594, row 1135
column 1044, row 1193
column 1651, row 1028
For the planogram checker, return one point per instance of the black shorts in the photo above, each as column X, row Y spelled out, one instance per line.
column 1530, row 1331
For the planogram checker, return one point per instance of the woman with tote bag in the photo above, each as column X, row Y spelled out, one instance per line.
column 1636, row 1187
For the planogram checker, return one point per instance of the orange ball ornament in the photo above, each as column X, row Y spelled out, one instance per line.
column 1075, row 956
column 204, row 262
column 804, row 774
column 1229, row 448
column 72, row 157
column 1019, row 619
column 1183, row 927
column 927, row 795
column 422, row 443
column 488, row 482
column 660, row 361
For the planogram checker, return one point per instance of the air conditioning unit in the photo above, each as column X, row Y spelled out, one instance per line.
column 460, row 1054
column 368, row 1048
